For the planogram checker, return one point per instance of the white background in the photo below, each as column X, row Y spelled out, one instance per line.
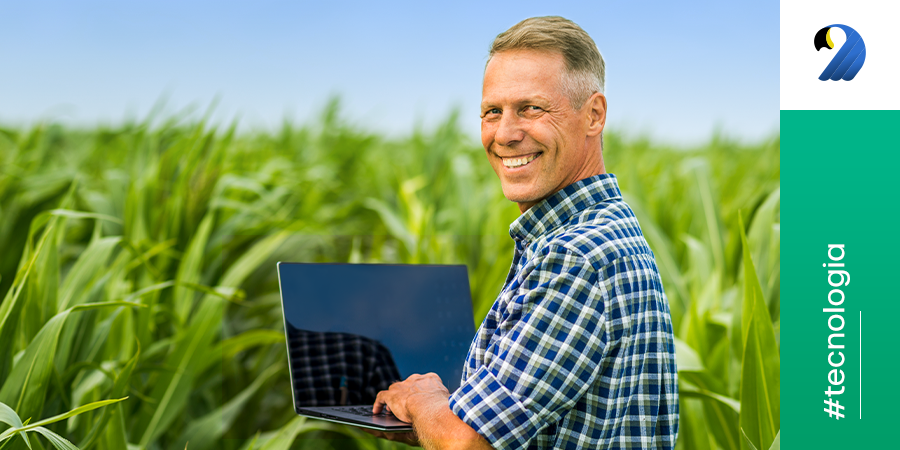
column 876, row 86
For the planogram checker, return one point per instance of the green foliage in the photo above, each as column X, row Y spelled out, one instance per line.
column 8, row 416
column 760, row 364
column 139, row 261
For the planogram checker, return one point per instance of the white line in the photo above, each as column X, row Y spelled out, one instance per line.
column 860, row 365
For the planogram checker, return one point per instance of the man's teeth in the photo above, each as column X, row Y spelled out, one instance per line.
column 517, row 162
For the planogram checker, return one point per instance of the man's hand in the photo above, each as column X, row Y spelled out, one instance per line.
column 423, row 401
column 425, row 389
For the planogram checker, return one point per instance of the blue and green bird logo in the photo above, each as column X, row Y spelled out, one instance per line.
column 848, row 60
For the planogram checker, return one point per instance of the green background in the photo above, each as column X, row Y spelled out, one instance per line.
column 840, row 172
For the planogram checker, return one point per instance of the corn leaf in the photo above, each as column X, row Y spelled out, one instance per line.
column 14, row 301
column 79, row 410
column 747, row 442
column 115, row 432
column 189, row 271
column 205, row 432
column 285, row 437
column 709, row 395
column 9, row 417
column 711, row 216
column 26, row 386
column 776, row 445
column 27, row 383
column 230, row 347
column 173, row 388
column 87, row 269
column 760, row 365
column 58, row 441
column 719, row 410
column 693, row 433
column 765, row 242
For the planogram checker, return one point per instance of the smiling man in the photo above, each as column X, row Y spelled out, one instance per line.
column 577, row 351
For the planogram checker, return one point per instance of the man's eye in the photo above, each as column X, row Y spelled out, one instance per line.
column 533, row 108
column 491, row 112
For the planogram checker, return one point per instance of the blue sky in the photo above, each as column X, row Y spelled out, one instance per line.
column 675, row 71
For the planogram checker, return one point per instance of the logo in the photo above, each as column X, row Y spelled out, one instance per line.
column 848, row 60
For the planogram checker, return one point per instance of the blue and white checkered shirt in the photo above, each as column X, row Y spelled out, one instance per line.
column 577, row 351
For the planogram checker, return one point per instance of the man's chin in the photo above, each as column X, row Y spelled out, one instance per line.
column 522, row 195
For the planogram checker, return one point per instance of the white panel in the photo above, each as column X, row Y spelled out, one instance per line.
column 876, row 86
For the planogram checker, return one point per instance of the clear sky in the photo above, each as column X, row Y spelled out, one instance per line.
column 676, row 71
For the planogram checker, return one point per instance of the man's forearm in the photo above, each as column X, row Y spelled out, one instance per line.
column 438, row 428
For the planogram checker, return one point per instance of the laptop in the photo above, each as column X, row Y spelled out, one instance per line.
column 353, row 329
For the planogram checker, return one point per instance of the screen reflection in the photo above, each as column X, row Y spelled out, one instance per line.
column 338, row 368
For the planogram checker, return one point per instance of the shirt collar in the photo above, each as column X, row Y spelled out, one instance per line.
column 553, row 211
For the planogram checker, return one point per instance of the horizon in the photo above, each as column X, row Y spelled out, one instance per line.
column 677, row 73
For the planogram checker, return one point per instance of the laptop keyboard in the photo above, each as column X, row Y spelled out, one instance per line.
column 365, row 411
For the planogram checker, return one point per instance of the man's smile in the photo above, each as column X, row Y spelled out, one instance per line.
column 514, row 162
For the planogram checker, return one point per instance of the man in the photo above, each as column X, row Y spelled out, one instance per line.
column 577, row 351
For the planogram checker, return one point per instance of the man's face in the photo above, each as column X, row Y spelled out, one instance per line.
column 535, row 141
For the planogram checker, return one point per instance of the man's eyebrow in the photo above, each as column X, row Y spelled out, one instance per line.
column 488, row 105
column 521, row 101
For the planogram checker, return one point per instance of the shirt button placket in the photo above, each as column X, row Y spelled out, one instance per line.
column 517, row 256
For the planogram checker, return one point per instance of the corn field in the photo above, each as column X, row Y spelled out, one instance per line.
column 140, row 301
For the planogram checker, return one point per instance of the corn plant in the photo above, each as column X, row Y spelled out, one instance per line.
column 137, row 265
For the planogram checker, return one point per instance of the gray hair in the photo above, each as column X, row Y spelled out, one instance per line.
column 585, row 70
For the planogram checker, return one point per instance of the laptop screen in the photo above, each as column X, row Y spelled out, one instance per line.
column 353, row 329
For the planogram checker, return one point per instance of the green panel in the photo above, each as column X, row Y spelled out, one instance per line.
column 840, row 177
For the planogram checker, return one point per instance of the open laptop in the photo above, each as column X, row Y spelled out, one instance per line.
column 353, row 329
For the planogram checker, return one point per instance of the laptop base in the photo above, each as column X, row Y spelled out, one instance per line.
column 349, row 415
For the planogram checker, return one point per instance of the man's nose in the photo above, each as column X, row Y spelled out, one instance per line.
column 509, row 130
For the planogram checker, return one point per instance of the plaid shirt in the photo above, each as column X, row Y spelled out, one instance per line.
column 577, row 351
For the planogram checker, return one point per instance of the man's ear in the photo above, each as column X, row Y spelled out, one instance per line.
column 595, row 107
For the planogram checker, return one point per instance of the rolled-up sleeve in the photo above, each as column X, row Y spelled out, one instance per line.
column 545, row 354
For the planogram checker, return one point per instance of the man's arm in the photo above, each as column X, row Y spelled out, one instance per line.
column 551, row 340
column 554, row 337
column 424, row 401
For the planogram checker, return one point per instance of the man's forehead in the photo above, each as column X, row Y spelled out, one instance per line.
column 509, row 59
column 522, row 74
